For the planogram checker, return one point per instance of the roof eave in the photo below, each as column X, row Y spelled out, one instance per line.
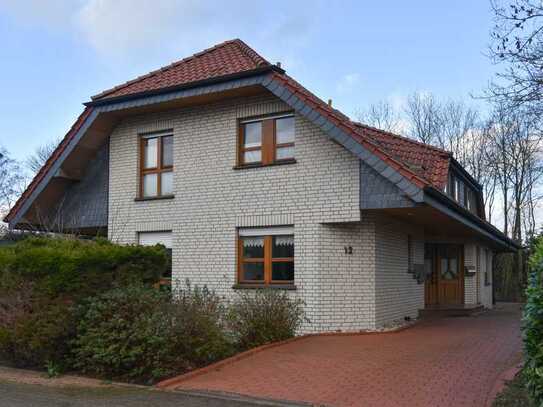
column 443, row 203
column 104, row 100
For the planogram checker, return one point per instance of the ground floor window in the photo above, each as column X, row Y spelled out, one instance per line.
column 164, row 238
column 266, row 255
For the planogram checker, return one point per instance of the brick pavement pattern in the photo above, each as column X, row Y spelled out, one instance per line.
column 439, row 362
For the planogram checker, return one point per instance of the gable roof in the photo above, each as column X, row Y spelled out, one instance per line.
column 420, row 164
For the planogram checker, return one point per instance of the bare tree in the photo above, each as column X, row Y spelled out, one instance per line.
column 517, row 42
column 37, row 159
column 381, row 115
column 423, row 112
column 12, row 181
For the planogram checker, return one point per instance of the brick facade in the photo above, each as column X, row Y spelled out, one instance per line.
column 319, row 195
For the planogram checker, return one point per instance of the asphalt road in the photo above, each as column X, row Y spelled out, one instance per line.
column 26, row 395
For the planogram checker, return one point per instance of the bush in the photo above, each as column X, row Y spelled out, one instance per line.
column 34, row 331
column 138, row 334
column 265, row 316
column 199, row 332
column 44, row 280
column 533, row 337
column 79, row 268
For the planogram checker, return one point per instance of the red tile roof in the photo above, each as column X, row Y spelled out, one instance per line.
column 227, row 58
column 430, row 162
column 422, row 164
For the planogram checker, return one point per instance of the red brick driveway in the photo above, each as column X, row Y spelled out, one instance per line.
column 444, row 362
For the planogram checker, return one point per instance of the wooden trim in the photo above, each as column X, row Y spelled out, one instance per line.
column 267, row 260
column 268, row 146
column 158, row 170
column 260, row 165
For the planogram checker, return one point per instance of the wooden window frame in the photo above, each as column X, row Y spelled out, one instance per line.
column 268, row 146
column 267, row 260
column 159, row 169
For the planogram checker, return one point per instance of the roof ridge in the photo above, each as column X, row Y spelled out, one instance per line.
column 242, row 46
column 404, row 138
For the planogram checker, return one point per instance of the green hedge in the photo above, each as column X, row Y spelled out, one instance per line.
column 92, row 306
column 79, row 268
column 42, row 282
column 533, row 336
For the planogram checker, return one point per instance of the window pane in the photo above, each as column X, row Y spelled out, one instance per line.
column 253, row 271
column 168, row 271
column 252, row 134
column 283, row 271
column 150, row 153
column 254, row 156
column 150, row 185
column 167, row 151
column 253, row 247
column 166, row 183
column 284, row 153
column 282, row 246
column 284, row 130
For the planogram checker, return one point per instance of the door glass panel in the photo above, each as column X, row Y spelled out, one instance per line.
column 449, row 262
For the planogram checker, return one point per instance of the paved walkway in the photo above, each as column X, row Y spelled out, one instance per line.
column 445, row 362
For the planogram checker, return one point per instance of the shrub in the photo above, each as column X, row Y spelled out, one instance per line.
column 533, row 336
column 79, row 268
column 198, row 320
column 265, row 316
column 124, row 334
column 138, row 334
column 34, row 331
column 44, row 280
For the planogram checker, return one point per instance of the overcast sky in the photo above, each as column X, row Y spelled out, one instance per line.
column 55, row 54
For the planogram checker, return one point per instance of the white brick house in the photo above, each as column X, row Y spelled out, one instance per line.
column 253, row 181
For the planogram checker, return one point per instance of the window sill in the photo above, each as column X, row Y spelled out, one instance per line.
column 154, row 198
column 260, row 165
column 262, row 286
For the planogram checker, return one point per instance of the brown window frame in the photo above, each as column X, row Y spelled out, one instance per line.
column 267, row 260
column 159, row 169
column 268, row 146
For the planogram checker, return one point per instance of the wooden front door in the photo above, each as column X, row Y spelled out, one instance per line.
column 444, row 262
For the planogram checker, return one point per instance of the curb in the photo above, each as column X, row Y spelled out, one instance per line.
column 501, row 382
column 173, row 382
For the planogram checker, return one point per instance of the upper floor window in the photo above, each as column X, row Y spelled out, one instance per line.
column 156, row 165
column 266, row 141
column 462, row 193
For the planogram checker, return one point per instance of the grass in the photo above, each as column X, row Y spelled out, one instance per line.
column 514, row 394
